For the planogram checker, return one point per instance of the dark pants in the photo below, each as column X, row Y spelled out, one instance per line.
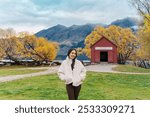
column 73, row 91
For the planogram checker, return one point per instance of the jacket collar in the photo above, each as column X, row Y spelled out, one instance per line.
column 69, row 60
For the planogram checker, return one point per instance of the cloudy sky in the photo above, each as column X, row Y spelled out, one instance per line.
column 35, row 15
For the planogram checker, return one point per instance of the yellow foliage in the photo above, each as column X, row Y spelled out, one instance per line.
column 144, row 50
column 122, row 37
column 10, row 47
column 29, row 46
column 79, row 51
column 144, row 37
column 147, row 24
column 40, row 48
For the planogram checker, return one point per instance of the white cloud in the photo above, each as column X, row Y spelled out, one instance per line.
column 31, row 14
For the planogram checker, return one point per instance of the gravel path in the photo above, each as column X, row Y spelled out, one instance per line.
column 107, row 68
column 101, row 67
column 51, row 70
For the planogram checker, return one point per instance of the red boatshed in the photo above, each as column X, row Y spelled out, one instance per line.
column 104, row 51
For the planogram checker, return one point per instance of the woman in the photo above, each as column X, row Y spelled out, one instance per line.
column 73, row 73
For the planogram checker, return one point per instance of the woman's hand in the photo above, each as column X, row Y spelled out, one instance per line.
column 68, row 79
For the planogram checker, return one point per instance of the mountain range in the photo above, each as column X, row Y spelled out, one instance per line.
column 73, row 36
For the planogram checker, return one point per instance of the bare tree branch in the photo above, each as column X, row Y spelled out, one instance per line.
column 143, row 7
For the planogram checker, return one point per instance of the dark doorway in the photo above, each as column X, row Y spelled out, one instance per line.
column 103, row 56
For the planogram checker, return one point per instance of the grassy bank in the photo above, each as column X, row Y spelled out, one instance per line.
column 130, row 68
column 97, row 86
column 5, row 72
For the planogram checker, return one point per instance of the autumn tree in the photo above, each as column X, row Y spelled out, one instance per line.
column 144, row 37
column 122, row 37
column 39, row 49
column 8, row 44
column 28, row 46
column 10, row 48
column 143, row 52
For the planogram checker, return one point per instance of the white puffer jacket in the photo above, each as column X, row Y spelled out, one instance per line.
column 75, row 76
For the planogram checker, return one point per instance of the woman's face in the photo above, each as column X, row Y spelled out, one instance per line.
column 72, row 54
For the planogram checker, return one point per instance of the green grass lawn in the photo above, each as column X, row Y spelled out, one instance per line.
column 97, row 86
column 130, row 68
column 12, row 67
column 5, row 72
column 20, row 66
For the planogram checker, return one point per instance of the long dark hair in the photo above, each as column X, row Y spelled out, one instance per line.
column 73, row 60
